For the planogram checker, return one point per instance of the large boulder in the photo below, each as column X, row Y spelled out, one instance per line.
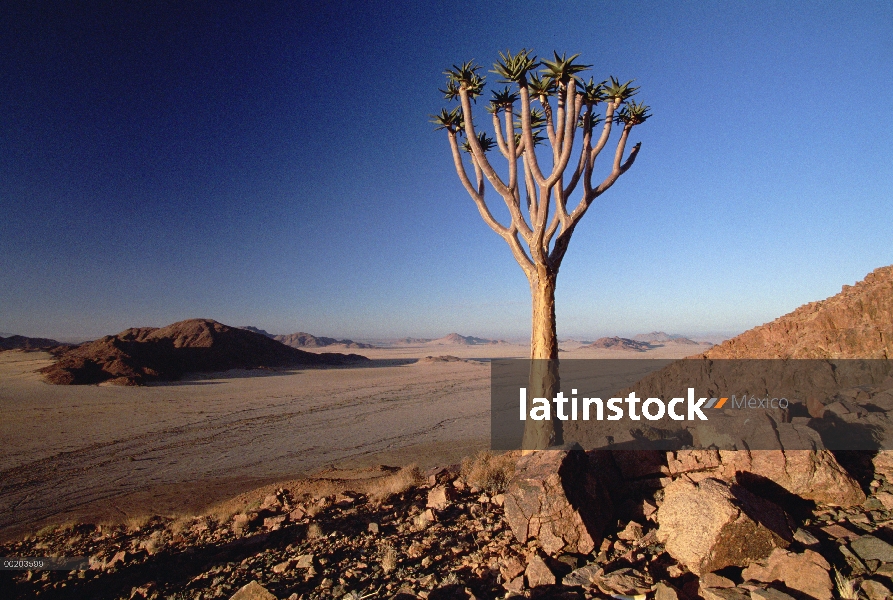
column 712, row 524
column 809, row 474
column 807, row 572
column 556, row 498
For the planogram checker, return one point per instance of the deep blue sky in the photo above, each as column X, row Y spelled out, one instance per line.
column 275, row 166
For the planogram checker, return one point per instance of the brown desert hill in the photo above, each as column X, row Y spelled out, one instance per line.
column 617, row 343
column 856, row 323
column 463, row 340
column 307, row 340
column 661, row 337
column 21, row 342
column 145, row 354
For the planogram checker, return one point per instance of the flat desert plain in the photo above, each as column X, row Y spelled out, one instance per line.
column 108, row 453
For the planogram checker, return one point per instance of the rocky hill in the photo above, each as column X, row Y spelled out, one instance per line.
column 307, row 340
column 141, row 355
column 856, row 323
column 20, row 342
column 617, row 343
column 454, row 339
column 661, row 337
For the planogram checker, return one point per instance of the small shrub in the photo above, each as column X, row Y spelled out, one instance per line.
column 396, row 483
column 489, row 471
column 846, row 587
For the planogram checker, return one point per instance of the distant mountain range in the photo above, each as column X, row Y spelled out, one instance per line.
column 145, row 354
column 454, row 339
column 306, row 340
column 617, row 343
column 663, row 337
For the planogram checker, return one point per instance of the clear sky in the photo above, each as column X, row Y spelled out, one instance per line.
column 273, row 164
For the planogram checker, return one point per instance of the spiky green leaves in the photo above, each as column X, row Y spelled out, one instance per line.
column 541, row 86
column 484, row 140
column 618, row 92
column 452, row 121
column 562, row 69
column 592, row 92
column 502, row 99
column 633, row 113
column 513, row 68
column 463, row 76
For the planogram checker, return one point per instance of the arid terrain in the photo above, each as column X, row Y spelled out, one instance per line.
column 110, row 452
column 271, row 483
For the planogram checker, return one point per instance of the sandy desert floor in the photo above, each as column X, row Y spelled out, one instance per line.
column 99, row 453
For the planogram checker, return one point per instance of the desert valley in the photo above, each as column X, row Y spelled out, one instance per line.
column 202, row 460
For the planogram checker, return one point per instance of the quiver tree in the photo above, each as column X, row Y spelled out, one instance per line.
column 557, row 106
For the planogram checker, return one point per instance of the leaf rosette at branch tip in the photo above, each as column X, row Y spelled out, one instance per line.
column 502, row 99
column 633, row 114
column 452, row 121
column 541, row 86
column 484, row 140
column 592, row 92
column 464, row 76
column 618, row 92
column 514, row 68
column 562, row 69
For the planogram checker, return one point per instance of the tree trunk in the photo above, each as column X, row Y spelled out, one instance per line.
column 544, row 380
column 543, row 339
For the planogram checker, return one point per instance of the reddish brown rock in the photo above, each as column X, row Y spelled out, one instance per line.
column 711, row 524
column 253, row 591
column 556, row 499
column 807, row 572
column 439, row 497
column 810, row 474
column 538, row 573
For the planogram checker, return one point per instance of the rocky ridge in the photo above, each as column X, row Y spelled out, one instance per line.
column 307, row 340
column 454, row 339
column 617, row 343
column 146, row 354
column 856, row 323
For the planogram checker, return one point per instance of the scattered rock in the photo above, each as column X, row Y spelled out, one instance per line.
column 869, row 547
column 304, row 561
column 806, row 538
column 554, row 498
column 711, row 524
column 769, row 594
column 440, row 497
column 538, row 573
column 584, row 576
column 724, row 594
column 626, row 581
column 716, row 581
column 807, row 572
column 631, row 533
column 875, row 590
column 510, row 568
column 253, row 591
column 665, row 591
